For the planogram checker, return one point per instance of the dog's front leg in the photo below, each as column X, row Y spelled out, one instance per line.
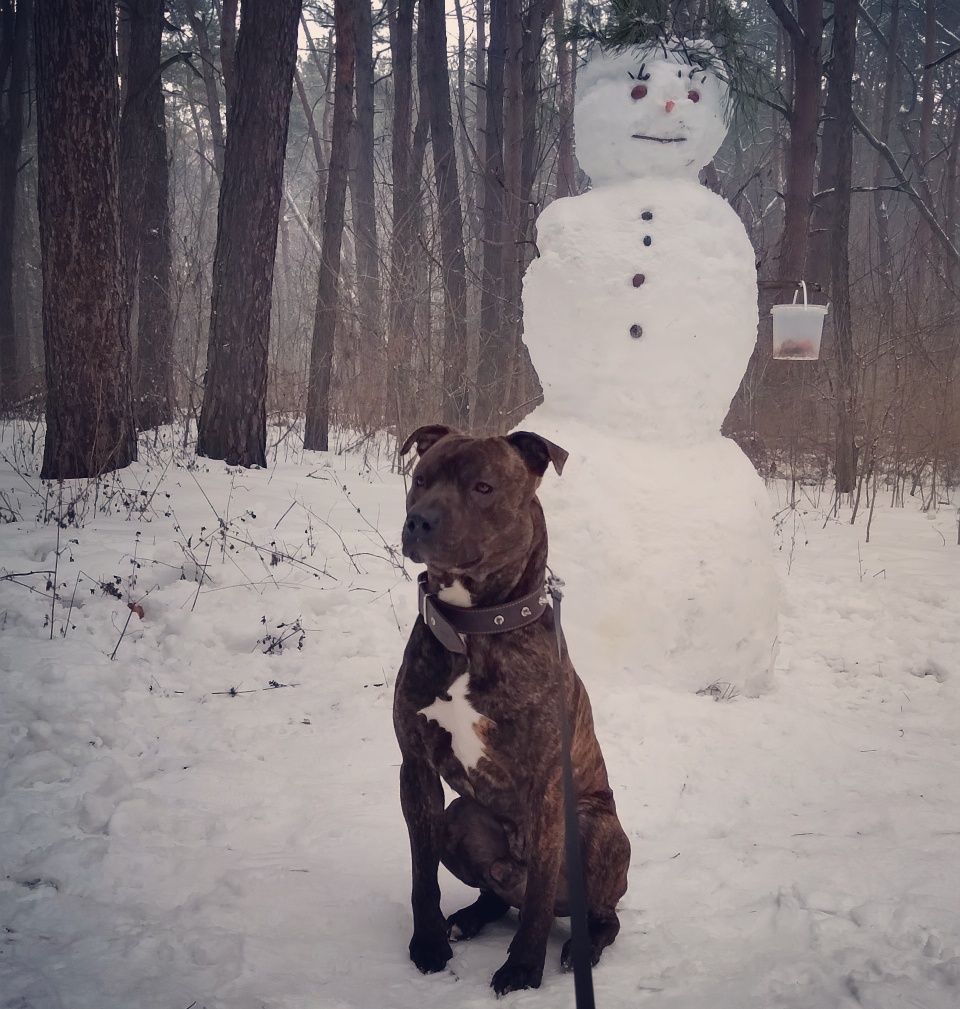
column 421, row 797
column 524, row 965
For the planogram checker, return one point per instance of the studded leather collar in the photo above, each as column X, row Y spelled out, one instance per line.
column 451, row 624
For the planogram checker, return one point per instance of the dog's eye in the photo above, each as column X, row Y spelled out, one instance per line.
column 418, row 481
column 482, row 488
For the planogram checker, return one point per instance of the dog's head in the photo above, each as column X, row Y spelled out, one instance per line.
column 469, row 507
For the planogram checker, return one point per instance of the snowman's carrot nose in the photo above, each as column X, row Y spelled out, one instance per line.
column 670, row 105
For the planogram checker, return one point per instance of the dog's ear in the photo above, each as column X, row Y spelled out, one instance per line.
column 425, row 438
column 538, row 452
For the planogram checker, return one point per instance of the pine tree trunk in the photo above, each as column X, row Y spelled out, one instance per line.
column 828, row 257
column 154, row 395
column 209, row 74
column 90, row 425
column 403, row 239
column 317, row 430
column 363, row 202
column 566, row 157
column 14, row 38
column 806, row 33
column 141, row 23
column 455, row 400
column 233, row 418
column 493, row 345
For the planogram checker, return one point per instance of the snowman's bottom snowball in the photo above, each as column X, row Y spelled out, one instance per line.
column 667, row 554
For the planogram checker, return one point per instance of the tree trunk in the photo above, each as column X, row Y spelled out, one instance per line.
column 802, row 152
column 142, row 26
column 228, row 49
column 208, row 72
column 316, row 432
column 829, row 253
column 233, row 418
column 403, row 238
column 89, row 412
column 455, row 399
column 566, row 156
column 806, row 32
column 524, row 385
column 493, row 343
column 154, row 397
column 14, row 39
column 362, row 198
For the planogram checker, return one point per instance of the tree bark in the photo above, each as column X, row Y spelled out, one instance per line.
column 404, row 213
column 233, row 418
column 142, row 26
column 208, row 72
column 89, row 411
column 362, row 198
column 455, row 399
column 493, row 343
column 829, row 253
column 805, row 32
column 228, row 49
column 566, row 156
column 14, row 40
column 317, row 430
column 154, row 392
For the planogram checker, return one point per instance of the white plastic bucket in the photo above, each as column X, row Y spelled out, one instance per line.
column 798, row 329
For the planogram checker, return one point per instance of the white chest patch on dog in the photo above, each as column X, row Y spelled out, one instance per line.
column 464, row 723
column 455, row 594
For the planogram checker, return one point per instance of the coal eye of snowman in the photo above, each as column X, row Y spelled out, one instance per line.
column 694, row 96
column 639, row 91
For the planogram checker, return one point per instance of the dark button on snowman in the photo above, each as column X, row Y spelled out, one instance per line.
column 660, row 526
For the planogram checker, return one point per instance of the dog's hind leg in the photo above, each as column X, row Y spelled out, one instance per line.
column 477, row 852
column 606, row 858
column 467, row 922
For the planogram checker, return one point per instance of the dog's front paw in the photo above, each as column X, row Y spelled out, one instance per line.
column 515, row 975
column 566, row 955
column 430, row 953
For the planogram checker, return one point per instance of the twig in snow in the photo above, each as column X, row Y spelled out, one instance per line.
column 132, row 607
column 56, row 560
column 203, row 573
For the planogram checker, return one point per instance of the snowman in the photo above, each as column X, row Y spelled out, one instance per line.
column 640, row 314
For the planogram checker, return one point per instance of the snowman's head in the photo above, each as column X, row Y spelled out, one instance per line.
column 656, row 111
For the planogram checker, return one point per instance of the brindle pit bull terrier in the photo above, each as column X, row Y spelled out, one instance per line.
column 487, row 721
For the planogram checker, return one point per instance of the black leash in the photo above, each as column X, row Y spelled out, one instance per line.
column 581, row 952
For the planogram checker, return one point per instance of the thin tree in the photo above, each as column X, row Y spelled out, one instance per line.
column 435, row 72
column 153, row 388
column 233, row 417
column 317, row 429
column 403, row 237
column 15, row 22
column 566, row 156
column 829, row 253
column 494, row 341
column 89, row 411
column 363, row 200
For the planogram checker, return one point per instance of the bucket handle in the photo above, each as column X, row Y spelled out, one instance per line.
column 802, row 284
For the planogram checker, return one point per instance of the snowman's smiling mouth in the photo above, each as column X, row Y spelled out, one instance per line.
column 659, row 140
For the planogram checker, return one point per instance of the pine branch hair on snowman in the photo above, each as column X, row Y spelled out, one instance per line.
column 712, row 41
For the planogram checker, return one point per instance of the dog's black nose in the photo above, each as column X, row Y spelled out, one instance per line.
column 421, row 524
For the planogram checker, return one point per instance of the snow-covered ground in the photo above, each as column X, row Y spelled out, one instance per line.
column 165, row 844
